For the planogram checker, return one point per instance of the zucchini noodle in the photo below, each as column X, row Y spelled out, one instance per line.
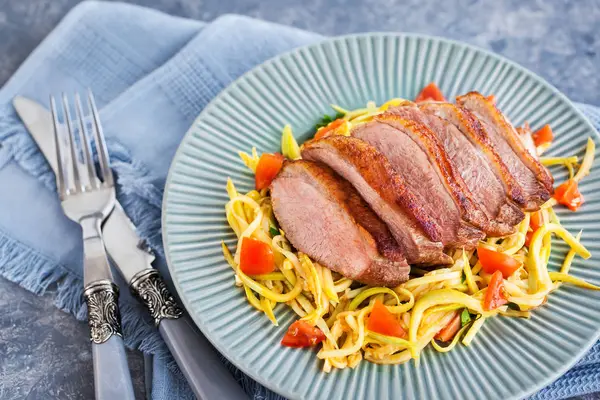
column 251, row 161
column 566, row 265
column 475, row 327
column 473, row 288
column 371, row 292
column 453, row 343
column 390, row 340
column 423, row 305
column 289, row 146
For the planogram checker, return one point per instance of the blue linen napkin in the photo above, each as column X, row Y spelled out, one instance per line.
column 151, row 74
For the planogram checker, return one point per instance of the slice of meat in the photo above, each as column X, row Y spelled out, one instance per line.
column 534, row 178
column 323, row 216
column 474, row 169
column 383, row 189
column 413, row 165
column 449, row 179
column 526, row 136
column 472, row 129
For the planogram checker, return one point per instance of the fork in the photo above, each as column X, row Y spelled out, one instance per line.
column 88, row 199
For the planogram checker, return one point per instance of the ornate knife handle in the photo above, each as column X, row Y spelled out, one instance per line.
column 150, row 288
column 198, row 360
column 104, row 318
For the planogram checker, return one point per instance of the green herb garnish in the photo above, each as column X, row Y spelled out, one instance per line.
column 465, row 317
column 273, row 231
column 327, row 119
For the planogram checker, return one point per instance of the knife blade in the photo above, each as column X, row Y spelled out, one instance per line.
column 198, row 360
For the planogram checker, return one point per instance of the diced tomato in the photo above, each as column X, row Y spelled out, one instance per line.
column 494, row 296
column 267, row 169
column 491, row 98
column 568, row 194
column 430, row 93
column 528, row 237
column 447, row 333
column 302, row 334
column 256, row 257
column 384, row 322
column 536, row 220
column 492, row 261
column 329, row 129
column 543, row 135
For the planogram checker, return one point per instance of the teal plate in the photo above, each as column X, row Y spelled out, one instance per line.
column 510, row 358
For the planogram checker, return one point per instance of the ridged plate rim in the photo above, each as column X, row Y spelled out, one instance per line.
column 243, row 363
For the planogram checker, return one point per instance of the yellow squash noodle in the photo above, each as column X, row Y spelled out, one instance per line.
column 272, row 276
column 342, row 285
column 371, row 292
column 517, row 241
column 252, row 299
column 468, row 274
column 354, row 347
column 566, row 265
column 455, row 340
column 268, row 310
column 314, row 284
column 402, row 308
column 588, row 159
column 251, row 161
column 538, row 271
column 439, row 297
column 436, row 309
column 266, row 292
column 549, row 161
column 390, row 340
column 559, row 276
column 328, row 286
column 275, row 243
column 475, row 327
column 431, row 279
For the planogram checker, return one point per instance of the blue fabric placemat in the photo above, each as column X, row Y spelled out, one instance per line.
column 151, row 74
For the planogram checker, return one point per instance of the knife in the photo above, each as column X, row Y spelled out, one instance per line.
column 197, row 359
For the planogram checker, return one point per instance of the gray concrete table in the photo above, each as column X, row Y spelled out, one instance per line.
column 44, row 353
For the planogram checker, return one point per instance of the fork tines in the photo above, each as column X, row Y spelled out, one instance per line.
column 67, row 153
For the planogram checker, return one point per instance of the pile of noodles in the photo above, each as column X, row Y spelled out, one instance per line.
column 424, row 304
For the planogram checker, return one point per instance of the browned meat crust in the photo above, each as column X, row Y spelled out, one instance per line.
column 487, row 112
column 509, row 213
column 452, row 180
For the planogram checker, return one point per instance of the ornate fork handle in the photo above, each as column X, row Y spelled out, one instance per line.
column 104, row 318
